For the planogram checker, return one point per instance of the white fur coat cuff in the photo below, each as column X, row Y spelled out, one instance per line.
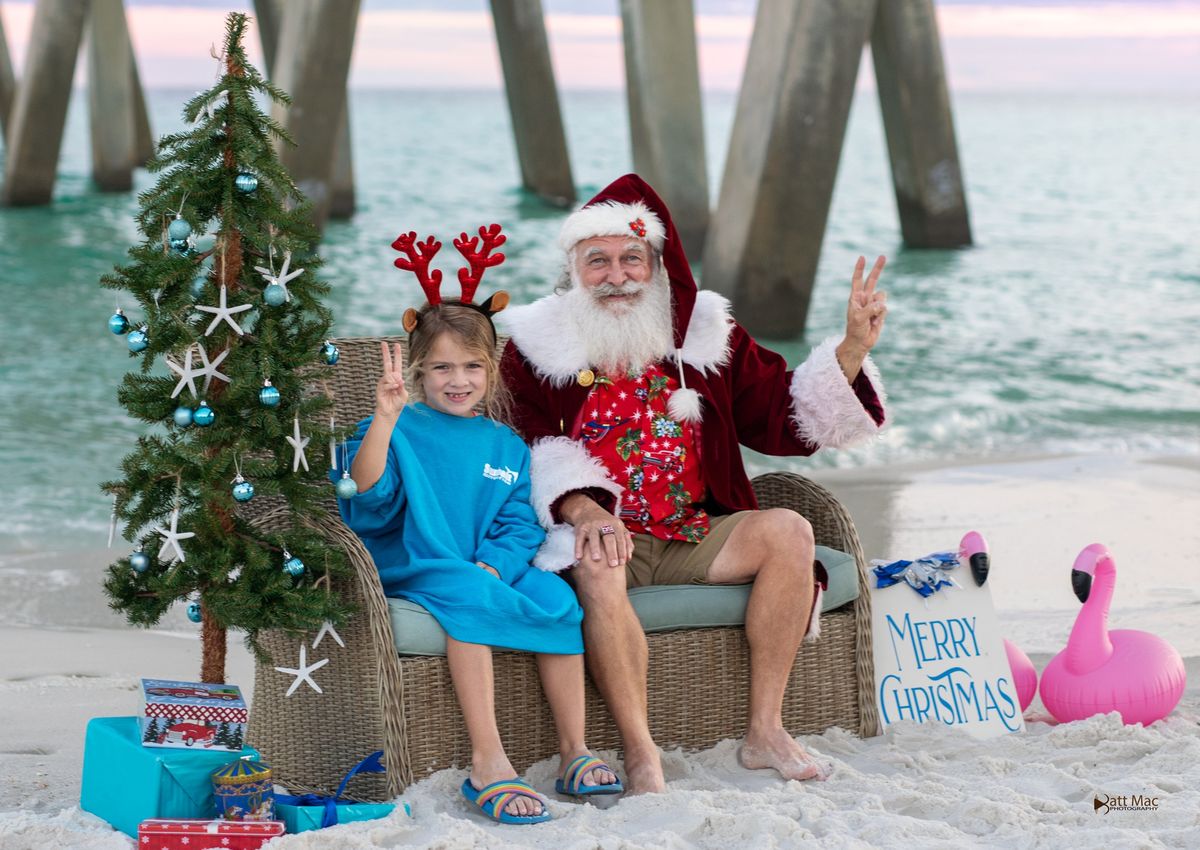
column 825, row 409
column 559, row 465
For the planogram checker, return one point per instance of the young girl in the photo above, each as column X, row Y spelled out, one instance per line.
column 443, row 507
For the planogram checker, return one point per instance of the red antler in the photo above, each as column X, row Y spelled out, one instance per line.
column 479, row 260
column 419, row 255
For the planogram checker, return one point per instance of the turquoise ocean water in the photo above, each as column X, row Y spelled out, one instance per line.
column 1070, row 326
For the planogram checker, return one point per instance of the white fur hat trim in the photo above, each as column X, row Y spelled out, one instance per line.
column 611, row 218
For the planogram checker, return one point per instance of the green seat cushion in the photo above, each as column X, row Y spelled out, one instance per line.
column 660, row 608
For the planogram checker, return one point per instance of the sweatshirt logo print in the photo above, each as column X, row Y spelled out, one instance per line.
column 508, row 476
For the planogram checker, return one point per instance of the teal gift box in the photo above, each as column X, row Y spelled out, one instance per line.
column 304, row 818
column 303, row 812
column 125, row 783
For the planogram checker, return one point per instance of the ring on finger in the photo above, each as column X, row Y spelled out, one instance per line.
column 607, row 529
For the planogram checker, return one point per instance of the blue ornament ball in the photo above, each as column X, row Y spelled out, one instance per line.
column 193, row 611
column 137, row 340
column 117, row 323
column 292, row 565
column 179, row 246
column 347, row 488
column 183, row 416
column 245, row 182
column 198, row 287
column 140, row 561
column 330, row 353
column 203, row 415
column 178, row 229
column 275, row 295
column 243, row 490
column 268, row 395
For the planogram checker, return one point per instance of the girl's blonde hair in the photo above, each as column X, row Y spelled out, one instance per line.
column 474, row 332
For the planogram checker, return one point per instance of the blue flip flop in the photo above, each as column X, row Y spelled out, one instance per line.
column 494, row 798
column 572, row 784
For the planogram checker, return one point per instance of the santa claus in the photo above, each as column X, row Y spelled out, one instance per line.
column 636, row 392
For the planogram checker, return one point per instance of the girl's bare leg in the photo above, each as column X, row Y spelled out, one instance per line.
column 562, row 682
column 474, row 685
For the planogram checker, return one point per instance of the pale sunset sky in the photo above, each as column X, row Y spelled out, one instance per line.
column 1134, row 46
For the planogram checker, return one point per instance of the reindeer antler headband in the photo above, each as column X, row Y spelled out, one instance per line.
column 479, row 258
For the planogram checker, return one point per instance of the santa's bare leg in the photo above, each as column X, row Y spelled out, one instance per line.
column 774, row 549
column 617, row 657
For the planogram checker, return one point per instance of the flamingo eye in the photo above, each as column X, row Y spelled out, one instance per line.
column 1081, row 583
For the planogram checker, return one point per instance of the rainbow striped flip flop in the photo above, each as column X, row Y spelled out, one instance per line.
column 493, row 799
column 572, row 785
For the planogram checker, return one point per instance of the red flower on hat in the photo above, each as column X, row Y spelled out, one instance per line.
column 639, row 227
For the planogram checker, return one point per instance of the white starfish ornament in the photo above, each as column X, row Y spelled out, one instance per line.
column 298, row 445
column 224, row 313
column 328, row 629
column 303, row 672
column 210, row 370
column 284, row 275
column 172, row 536
column 186, row 373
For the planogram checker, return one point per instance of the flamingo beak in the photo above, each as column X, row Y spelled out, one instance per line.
column 1081, row 583
column 974, row 549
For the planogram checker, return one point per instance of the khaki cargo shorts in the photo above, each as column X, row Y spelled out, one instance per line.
column 658, row 561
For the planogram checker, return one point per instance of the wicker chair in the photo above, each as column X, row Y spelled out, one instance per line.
column 375, row 699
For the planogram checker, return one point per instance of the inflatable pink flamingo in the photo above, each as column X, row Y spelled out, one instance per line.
column 1132, row 672
column 974, row 550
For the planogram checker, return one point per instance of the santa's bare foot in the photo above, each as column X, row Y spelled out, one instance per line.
column 643, row 772
column 777, row 750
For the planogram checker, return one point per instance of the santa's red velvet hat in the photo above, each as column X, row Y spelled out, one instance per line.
column 629, row 207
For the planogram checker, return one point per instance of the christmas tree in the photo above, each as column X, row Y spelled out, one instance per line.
column 242, row 332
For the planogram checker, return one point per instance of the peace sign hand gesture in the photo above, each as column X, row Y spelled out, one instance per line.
column 867, row 308
column 390, row 393
column 864, row 318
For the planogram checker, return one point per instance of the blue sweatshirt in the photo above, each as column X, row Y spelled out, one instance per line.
column 455, row 490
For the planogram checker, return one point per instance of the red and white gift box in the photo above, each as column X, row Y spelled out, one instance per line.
column 155, row 834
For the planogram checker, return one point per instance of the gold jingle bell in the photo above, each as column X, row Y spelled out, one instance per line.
column 586, row 377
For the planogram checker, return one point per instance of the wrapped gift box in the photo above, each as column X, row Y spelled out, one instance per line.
column 305, row 818
column 126, row 783
column 170, row 834
column 194, row 715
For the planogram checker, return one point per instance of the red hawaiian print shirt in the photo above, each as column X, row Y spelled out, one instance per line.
column 627, row 428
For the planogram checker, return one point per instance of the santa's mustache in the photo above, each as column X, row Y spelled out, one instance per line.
column 603, row 290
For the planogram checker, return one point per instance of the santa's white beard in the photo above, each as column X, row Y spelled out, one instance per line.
column 623, row 336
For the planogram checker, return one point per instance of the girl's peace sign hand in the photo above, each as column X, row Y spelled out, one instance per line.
column 390, row 393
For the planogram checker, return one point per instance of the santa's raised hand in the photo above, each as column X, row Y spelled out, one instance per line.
column 390, row 393
column 865, row 315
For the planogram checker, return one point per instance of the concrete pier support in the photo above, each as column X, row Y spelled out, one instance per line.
column 40, row 109
column 765, row 237
column 8, row 84
column 111, row 105
column 316, row 39
column 143, row 138
column 533, row 100
column 268, row 15
column 666, row 121
column 911, row 77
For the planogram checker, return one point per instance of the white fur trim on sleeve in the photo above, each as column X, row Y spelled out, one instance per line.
column 559, row 465
column 557, row 552
column 825, row 409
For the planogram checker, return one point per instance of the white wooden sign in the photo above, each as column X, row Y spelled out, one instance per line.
column 941, row 659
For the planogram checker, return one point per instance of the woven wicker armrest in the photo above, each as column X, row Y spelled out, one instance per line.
column 360, row 705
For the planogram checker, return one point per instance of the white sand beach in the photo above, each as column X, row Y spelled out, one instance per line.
column 914, row 786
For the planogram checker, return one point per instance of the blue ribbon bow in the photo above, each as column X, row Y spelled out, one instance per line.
column 371, row 764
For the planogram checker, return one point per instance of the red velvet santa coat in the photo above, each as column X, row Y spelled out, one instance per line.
column 748, row 397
